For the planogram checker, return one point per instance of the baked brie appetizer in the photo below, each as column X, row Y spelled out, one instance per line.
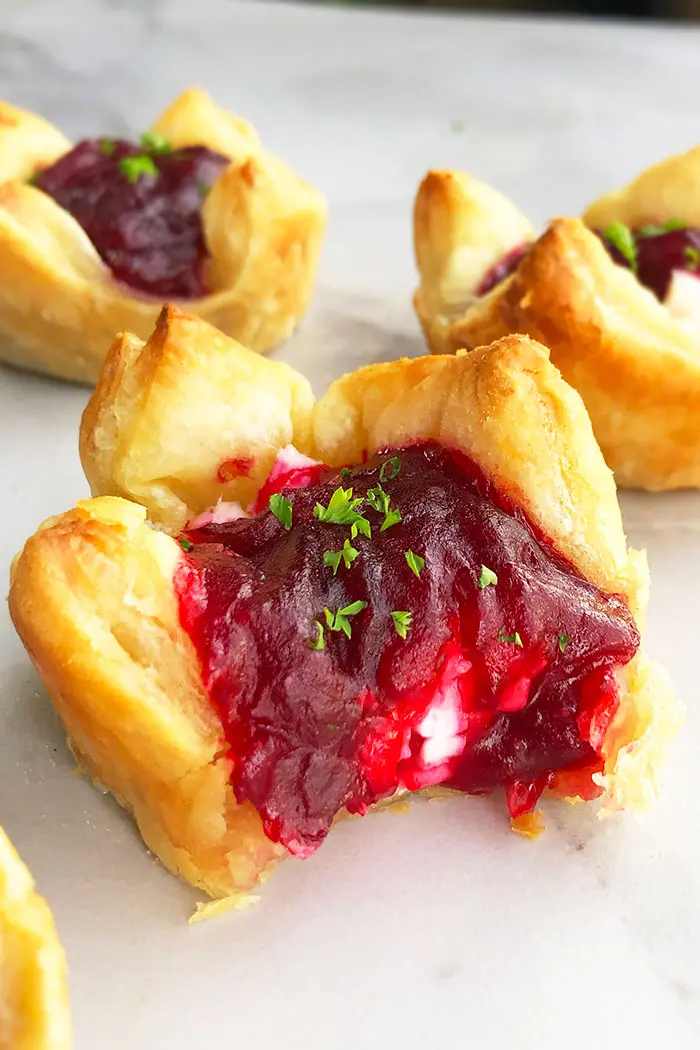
column 34, row 1013
column 615, row 296
column 276, row 612
column 95, row 237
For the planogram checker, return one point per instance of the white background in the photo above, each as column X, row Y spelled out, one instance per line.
column 439, row 928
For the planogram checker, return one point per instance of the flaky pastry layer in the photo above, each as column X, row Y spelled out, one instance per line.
column 92, row 593
column 59, row 303
column 34, row 1011
column 635, row 365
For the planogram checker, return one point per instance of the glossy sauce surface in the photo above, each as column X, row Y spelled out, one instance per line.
column 495, row 683
column 141, row 209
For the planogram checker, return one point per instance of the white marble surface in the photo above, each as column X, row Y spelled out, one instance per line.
column 440, row 928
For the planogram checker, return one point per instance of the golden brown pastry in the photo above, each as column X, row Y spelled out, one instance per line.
column 622, row 324
column 94, row 238
column 34, row 1013
column 456, row 606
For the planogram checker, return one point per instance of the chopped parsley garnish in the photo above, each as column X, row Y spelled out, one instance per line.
column 345, row 472
column 155, row 143
column 622, row 238
column 653, row 230
column 132, row 168
column 281, row 507
column 514, row 638
column 34, row 178
column 361, row 525
column 342, row 509
column 393, row 517
column 186, row 544
column 390, row 469
column 107, row 147
column 563, row 640
column 319, row 642
column 487, row 578
column 402, row 622
column 347, row 555
column 339, row 621
column 203, row 187
column 378, row 499
column 692, row 257
column 415, row 562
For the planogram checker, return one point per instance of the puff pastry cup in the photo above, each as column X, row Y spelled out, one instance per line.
column 34, row 1012
column 632, row 357
column 60, row 304
column 94, row 594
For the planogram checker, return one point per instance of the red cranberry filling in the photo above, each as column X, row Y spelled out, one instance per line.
column 452, row 646
column 141, row 208
column 654, row 252
column 502, row 269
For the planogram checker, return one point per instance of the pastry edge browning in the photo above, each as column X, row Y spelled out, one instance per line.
column 505, row 405
column 34, row 1010
column 59, row 304
column 635, row 366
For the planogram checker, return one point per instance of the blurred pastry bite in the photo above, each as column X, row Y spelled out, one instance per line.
column 615, row 296
column 94, row 237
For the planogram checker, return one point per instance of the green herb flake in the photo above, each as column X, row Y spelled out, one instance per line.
column 203, row 188
column 513, row 638
column 415, row 562
column 390, row 469
column 347, row 555
column 622, row 238
column 107, row 147
column 402, row 622
column 341, row 509
column 33, row 179
column 186, row 545
column 155, row 143
column 132, row 168
column 361, row 525
column 340, row 621
column 692, row 257
column 345, row 472
column 393, row 517
column 281, row 507
column 563, row 640
column 332, row 560
column 653, row 230
column 487, row 578
column 378, row 499
column 319, row 642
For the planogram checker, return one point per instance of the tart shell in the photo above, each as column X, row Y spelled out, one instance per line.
column 93, row 595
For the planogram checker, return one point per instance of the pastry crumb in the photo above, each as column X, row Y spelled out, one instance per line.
column 529, row 825
column 211, row 909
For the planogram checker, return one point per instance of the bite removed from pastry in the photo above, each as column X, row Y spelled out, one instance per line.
column 95, row 236
column 34, row 1012
column 414, row 596
column 617, row 302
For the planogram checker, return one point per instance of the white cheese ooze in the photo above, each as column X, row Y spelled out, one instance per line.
column 218, row 515
column 683, row 298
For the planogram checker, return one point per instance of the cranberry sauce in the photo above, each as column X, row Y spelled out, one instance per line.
column 502, row 269
column 450, row 646
column 141, row 208
column 654, row 252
